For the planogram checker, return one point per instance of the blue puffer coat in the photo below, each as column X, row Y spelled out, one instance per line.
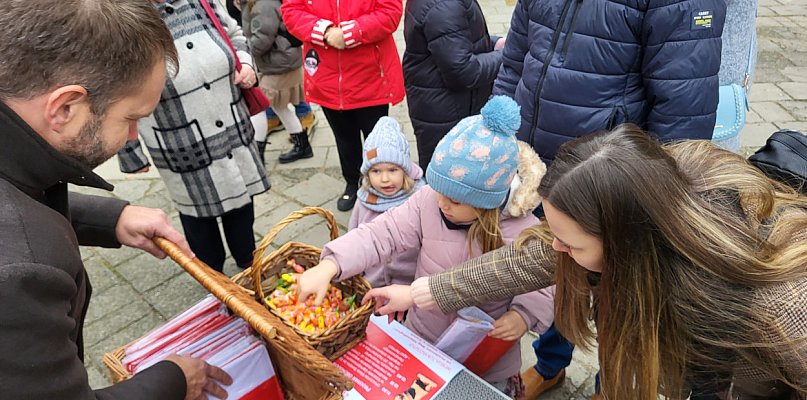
column 449, row 67
column 580, row 66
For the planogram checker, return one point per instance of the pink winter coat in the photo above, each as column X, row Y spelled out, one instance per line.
column 417, row 225
column 396, row 270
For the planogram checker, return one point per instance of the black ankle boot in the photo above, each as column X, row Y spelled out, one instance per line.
column 301, row 149
column 348, row 198
column 261, row 149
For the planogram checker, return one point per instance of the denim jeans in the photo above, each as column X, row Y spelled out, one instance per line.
column 554, row 353
column 299, row 109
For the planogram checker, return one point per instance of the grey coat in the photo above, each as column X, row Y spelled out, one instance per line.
column 200, row 136
column 44, row 288
column 273, row 53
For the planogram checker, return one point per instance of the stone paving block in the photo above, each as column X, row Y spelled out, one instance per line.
column 280, row 181
column 324, row 135
column 114, row 299
column 797, row 108
column 332, row 158
column 767, row 75
column 146, row 272
column 101, row 277
column 795, row 74
column 267, row 201
column 342, row 217
column 796, row 90
column 767, row 19
column 318, row 235
column 770, row 112
column 131, row 190
column 116, row 256
column 800, row 126
column 175, row 295
column 159, row 200
column 752, row 117
column 767, row 92
column 86, row 252
column 756, row 134
column 269, row 220
column 789, row 10
column 316, row 190
column 768, row 3
column 114, row 322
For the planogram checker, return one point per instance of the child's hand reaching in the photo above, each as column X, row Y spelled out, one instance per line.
column 509, row 327
column 315, row 281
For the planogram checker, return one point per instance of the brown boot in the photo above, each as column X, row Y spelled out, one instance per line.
column 597, row 397
column 535, row 384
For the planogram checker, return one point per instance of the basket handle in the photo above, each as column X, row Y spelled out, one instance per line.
column 260, row 252
column 256, row 315
column 223, row 288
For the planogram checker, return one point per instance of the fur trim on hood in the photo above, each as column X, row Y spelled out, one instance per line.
column 524, row 197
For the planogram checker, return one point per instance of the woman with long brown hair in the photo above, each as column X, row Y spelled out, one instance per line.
column 691, row 263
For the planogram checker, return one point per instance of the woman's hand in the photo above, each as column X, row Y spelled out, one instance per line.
column 509, row 327
column 390, row 299
column 335, row 38
column 245, row 78
column 315, row 281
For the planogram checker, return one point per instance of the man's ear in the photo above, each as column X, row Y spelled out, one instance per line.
column 67, row 107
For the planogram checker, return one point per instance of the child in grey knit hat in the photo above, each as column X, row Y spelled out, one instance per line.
column 389, row 178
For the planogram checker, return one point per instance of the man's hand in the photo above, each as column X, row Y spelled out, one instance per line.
column 137, row 226
column 335, row 38
column 201, row 377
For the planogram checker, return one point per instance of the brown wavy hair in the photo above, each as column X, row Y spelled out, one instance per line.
column 690, row 234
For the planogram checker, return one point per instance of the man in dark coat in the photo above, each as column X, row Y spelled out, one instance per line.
column 75, row 76
column 449, row 67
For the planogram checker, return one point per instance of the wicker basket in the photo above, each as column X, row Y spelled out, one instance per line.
column 304, row 373
column 267, row 268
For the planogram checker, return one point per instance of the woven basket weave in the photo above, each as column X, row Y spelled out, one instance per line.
column 303, row 371
column 262, row 278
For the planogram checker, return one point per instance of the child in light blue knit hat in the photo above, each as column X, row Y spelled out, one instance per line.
column 467, row 208
column 389, row 177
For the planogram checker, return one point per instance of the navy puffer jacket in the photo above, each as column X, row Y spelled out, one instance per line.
column 449, row 67
column 580, row 66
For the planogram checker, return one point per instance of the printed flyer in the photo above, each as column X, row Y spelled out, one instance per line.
column 393, row 363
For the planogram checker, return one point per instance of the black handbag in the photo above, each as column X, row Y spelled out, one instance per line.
column 784, row 158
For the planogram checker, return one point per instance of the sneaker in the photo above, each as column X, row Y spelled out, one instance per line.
column 273, row 125
column 309, row 123
column 348, row 199
column 535, row 384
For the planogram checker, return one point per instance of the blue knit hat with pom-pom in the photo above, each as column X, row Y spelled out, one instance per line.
column 476, row 161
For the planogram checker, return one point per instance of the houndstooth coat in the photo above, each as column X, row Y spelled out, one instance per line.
column 200, row 136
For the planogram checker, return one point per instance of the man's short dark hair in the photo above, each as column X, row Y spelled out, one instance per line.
column 107, row 46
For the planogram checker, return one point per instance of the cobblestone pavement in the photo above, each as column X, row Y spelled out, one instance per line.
column 134, row 292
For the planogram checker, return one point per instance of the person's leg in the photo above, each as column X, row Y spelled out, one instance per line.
column 367, row 117
column 273, row 123
column 259, row 123
column 301, row 148
column 302, row 109
column 346, row 132
column 554, row 354
column 204, row 239
column 307, row 117
column 238, row 232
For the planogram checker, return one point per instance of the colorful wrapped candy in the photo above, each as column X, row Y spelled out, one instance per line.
column 307, row 317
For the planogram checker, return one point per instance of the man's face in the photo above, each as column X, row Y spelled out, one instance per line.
column 102, row 136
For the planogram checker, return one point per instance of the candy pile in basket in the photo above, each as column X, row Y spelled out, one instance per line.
column 306, row 316
column 262, row 279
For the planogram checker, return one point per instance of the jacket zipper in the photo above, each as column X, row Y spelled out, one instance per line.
column 547, row 61
column 570, row 33
column 339, row 62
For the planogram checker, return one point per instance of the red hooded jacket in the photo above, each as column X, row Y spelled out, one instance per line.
column 368, row 71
